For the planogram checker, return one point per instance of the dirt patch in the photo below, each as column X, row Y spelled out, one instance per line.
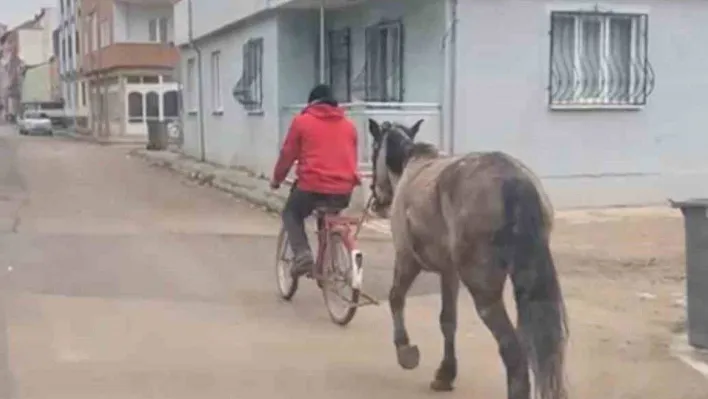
column 630, row 264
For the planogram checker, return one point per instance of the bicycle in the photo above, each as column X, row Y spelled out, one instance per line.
column 338, row 261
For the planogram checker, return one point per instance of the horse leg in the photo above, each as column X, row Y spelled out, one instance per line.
column 485, row 281
column 446, row 373
column 404, row 275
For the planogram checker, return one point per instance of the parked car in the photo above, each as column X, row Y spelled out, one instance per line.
column 35, row 123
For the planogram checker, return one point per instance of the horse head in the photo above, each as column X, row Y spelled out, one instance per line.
column 390, row 147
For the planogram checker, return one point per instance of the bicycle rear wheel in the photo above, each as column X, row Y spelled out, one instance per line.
column 287, row 285
column 341, row 298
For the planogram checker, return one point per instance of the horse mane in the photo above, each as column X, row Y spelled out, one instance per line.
column 401, row 149
column 423, row 150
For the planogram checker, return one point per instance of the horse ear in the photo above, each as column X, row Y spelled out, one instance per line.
column 374, row 129
column 413, row 131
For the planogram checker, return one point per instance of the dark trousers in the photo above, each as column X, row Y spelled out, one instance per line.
column 300, row 205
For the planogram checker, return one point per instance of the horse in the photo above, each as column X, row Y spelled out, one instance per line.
column 475, row 218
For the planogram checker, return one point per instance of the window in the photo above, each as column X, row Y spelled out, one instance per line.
column 163, row 30
column 56, row 43
column 87, row 43
column 599, row 59
column 69, row 47
column 105, row 34
column 78, row 49
column 94, row 32
column 151, row 79
column 133, row 79
column 152, row 29
column 191, row 86
column 170, row 104
column 135, row 108
column 339, row 63
column 112, row 105
column 83, row 94
column 249, row 89
column 216, row 102
column 384, row 62
column 157, row 28
column 152, row 105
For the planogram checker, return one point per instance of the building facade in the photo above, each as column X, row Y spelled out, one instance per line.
column 127, row 64
column 26, row 45
column 3, row 29
column 588, row 94
column 69, row 59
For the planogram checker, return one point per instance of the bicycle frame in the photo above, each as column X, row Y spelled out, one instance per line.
column 348, row 228
column 327, row 226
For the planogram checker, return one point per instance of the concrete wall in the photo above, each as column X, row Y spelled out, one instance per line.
column 633, row 157
column 586, row 158
column 236, row 137
column 291, row 40
column 212, row 15
column 298, row 34
column 33, row 47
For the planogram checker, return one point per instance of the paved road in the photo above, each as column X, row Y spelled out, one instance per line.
column 123, row 281
column 91, row 239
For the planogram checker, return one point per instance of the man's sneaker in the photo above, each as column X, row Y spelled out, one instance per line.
column 302, row 264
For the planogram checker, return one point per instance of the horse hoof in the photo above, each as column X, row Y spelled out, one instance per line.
column 441, row 386
column 408, row 356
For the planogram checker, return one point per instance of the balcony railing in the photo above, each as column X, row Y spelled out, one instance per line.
column 360, row 112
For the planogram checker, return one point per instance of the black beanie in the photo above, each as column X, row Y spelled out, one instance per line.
column 321, row 93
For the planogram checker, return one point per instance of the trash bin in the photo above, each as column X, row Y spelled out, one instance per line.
column 157, row 135
column 695, row 217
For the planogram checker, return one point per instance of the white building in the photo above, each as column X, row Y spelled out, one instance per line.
column 127, row 65
column 69, row 58
column 28, row 44
column 592, row 96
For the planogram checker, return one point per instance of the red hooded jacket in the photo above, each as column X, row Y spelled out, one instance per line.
column 324, row 142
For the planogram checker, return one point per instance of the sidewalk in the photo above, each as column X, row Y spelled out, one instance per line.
column 243, row 184
column 255, row 189
column 73, row 134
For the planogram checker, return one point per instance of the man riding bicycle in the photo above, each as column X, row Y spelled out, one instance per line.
column 324, row 143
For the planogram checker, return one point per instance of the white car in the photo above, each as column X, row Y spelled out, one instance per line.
column 35, row 123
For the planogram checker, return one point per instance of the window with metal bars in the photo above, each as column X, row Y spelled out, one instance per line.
column 249, row 89
column 599, row 59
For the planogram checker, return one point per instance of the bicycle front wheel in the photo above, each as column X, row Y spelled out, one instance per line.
column 340, row 296
column 287, row 285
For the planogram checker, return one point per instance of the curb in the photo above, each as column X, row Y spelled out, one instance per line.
column 94, row 140
column 697, row 359
column 251, row 189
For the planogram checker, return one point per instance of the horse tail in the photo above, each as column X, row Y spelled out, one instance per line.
column 542, row 323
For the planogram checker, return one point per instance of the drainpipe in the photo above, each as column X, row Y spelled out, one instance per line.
column 200, row 113
column 452, row 69
column 323, row 76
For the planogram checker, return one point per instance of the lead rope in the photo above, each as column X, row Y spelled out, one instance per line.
column 364, row 216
